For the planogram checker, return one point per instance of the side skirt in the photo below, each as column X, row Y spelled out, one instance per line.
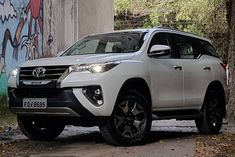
column 177, row 114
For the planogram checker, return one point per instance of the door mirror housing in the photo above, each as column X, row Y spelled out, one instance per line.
column 159, row 50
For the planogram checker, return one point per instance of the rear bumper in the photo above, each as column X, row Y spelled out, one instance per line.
column 60, row 102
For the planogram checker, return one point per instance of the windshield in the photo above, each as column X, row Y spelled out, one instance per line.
column 121, row 42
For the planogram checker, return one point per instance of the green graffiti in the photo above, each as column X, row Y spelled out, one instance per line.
column 3, row 84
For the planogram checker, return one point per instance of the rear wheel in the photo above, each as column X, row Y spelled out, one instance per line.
column 130, row 121
column 39, row 128
column 212, row 114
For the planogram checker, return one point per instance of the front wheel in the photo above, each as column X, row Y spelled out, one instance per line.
column 212, row 114
column 39, row 128
column 130, row 121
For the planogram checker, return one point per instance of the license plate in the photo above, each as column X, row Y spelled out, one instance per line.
column 34, row 103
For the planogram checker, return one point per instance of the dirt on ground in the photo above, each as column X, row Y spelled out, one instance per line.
column 7, row 122
column 221, row 145
column 166, row 139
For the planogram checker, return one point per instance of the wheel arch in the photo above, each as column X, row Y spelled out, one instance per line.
column 218, row 87
column 138, row 84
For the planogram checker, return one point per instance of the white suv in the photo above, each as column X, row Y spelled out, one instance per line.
column 121, row 81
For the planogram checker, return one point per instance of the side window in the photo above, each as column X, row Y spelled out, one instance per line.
column 198, row 47
column 209, row 48
column 160, row 39
column 184, row 47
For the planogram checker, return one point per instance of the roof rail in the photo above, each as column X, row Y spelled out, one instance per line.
column 166, row 27
column 175, row 29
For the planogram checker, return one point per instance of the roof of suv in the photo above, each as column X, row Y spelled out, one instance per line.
column 166, row 29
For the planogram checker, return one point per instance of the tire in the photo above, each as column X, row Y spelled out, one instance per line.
column 39, row 128
column 130, row 121
column 212, row 119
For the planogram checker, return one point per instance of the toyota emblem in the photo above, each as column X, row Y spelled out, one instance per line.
column 39, row 72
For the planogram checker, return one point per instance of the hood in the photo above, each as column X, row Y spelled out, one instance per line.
column 78, row 59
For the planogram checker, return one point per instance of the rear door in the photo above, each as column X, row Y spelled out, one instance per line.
column 197, row 71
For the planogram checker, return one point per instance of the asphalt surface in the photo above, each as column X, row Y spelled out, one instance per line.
column 167, row 139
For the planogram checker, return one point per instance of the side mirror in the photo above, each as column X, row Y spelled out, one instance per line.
column 59, row 54
column 159, row 50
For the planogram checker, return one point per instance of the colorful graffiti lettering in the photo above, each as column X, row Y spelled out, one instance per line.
column 21, row 29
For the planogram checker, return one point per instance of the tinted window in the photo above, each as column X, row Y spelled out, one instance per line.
column 197, row 46
column 209, row 48
column 204, row 47
column 184, row 47
column 160, row 39
column 121, row 42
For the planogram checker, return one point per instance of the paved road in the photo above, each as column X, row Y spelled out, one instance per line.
column 167, row 139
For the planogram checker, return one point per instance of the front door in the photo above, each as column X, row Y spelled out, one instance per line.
column 166, row 77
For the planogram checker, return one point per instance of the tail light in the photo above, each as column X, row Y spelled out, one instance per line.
column 225, row 66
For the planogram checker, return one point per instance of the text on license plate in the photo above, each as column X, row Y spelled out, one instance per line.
column 34, row 103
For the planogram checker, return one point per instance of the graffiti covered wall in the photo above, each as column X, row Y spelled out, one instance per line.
column 21, row 29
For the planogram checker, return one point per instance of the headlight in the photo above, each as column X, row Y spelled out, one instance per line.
column 14, row 72
column 93, row 68
column 97, row 68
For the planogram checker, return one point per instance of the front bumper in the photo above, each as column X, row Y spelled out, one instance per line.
column 60, row 102
column 49, row 111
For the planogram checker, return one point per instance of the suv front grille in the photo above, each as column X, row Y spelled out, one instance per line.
column 51, row 73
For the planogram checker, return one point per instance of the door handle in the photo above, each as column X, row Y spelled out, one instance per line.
column 178, row 67
column 207, row 68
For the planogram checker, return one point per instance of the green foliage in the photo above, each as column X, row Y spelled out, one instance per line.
column 122, row 6
column 198, row 16
column 132, row 6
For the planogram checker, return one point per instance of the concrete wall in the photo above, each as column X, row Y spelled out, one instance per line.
column 68, row 20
